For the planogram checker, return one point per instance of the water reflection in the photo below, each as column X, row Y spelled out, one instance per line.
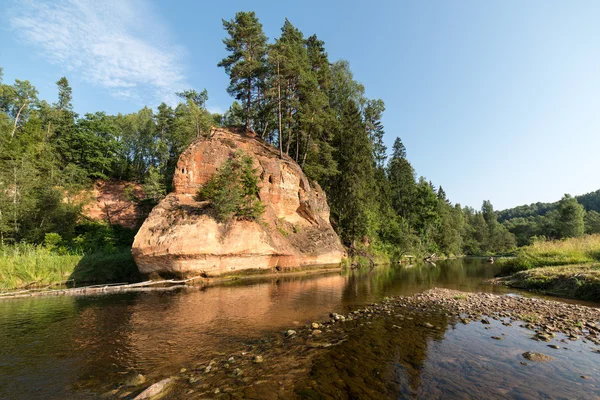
column 78, row 346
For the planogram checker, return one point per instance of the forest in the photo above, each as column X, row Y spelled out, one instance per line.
column 296, row 99
column 569, row 217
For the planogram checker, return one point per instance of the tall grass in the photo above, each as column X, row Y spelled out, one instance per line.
column 29, row 266
column 573, row 281
column 582, row 250
column 23, row 266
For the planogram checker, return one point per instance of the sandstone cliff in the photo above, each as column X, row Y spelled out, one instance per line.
column 180, row 237
column 108, row 201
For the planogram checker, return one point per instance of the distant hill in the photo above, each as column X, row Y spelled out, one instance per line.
column 590, row 201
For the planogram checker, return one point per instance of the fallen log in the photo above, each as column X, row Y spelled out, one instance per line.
column 102, row 288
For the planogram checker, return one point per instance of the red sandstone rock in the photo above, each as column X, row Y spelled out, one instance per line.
column 180, row 238
column 108, row 201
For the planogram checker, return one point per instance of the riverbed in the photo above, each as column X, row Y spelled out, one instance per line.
column 85, row 347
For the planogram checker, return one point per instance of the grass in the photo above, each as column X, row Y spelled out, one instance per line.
column 572, row 281
column 27, row 266
column 573, row 251
column 35, row 268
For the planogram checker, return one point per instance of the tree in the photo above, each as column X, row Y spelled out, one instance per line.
column 373, row 114
column 295, row 85
column 317, row 117
column 193, row 112
column 65, row 95
column 245, row 64
column 234, row 116
column 344, row 87
column 401, row 176
column 570, row 217
column 233, row 190
column 353, row 195
column 399, row 151
column 18, row 100
column 153, row 187
column 592, row 222
column 92, row 146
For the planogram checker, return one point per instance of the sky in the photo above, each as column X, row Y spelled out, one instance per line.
column 494, row 100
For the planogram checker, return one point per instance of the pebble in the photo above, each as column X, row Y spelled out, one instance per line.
column 154, row 390
column 136, row 380
column 536, row 357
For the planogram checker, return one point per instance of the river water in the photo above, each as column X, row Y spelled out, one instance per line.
column 78, row 347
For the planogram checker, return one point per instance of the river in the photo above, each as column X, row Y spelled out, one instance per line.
column 78, row 347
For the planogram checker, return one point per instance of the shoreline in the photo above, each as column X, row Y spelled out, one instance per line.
column 577, row 282
column 255, row 369
column 248, row 276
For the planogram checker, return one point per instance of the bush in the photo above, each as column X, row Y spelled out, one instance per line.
column 233, row 190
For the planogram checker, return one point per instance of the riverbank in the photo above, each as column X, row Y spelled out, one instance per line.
column 246, row 277
column 551, row 253
column 569, row 281
column 348, row 354
column 566, row 268
column 29, row 267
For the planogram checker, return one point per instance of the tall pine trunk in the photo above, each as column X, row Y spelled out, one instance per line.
column 279, row 113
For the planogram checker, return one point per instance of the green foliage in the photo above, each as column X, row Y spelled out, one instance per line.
column 153, row 187
column 570, row 217
column 29, row 266
column 543, row 253
column 592, row 222
column 247, row 45
column 545, row 219
column 352, row 192
column 570, row 281
column 233, row 190
column 25, row 266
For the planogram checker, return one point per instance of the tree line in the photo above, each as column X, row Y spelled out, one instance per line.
column 286, row 90
column 312, row 109
column 569, row 217
column 49, row 154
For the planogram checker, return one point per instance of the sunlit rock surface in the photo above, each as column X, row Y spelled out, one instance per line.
column 181, row 238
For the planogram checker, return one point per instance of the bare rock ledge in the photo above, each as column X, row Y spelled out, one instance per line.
column 181, row 238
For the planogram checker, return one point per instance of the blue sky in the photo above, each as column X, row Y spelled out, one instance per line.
column 495, row 100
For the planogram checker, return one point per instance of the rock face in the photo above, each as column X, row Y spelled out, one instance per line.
column 181, row 238
column 109, row 202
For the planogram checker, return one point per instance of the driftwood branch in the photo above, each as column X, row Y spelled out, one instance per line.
column 103, row 288
column 429, row 258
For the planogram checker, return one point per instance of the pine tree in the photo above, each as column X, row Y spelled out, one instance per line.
column 401, row 176
column 247, row 45
column 373, row 114
column 353, row 194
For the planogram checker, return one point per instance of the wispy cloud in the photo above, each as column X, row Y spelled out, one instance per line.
column 115, row 44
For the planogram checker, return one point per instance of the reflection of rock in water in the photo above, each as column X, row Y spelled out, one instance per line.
column 383, row 359
column 102, row 340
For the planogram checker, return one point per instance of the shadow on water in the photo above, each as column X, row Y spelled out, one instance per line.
column 379, row 360
column 105, row 267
